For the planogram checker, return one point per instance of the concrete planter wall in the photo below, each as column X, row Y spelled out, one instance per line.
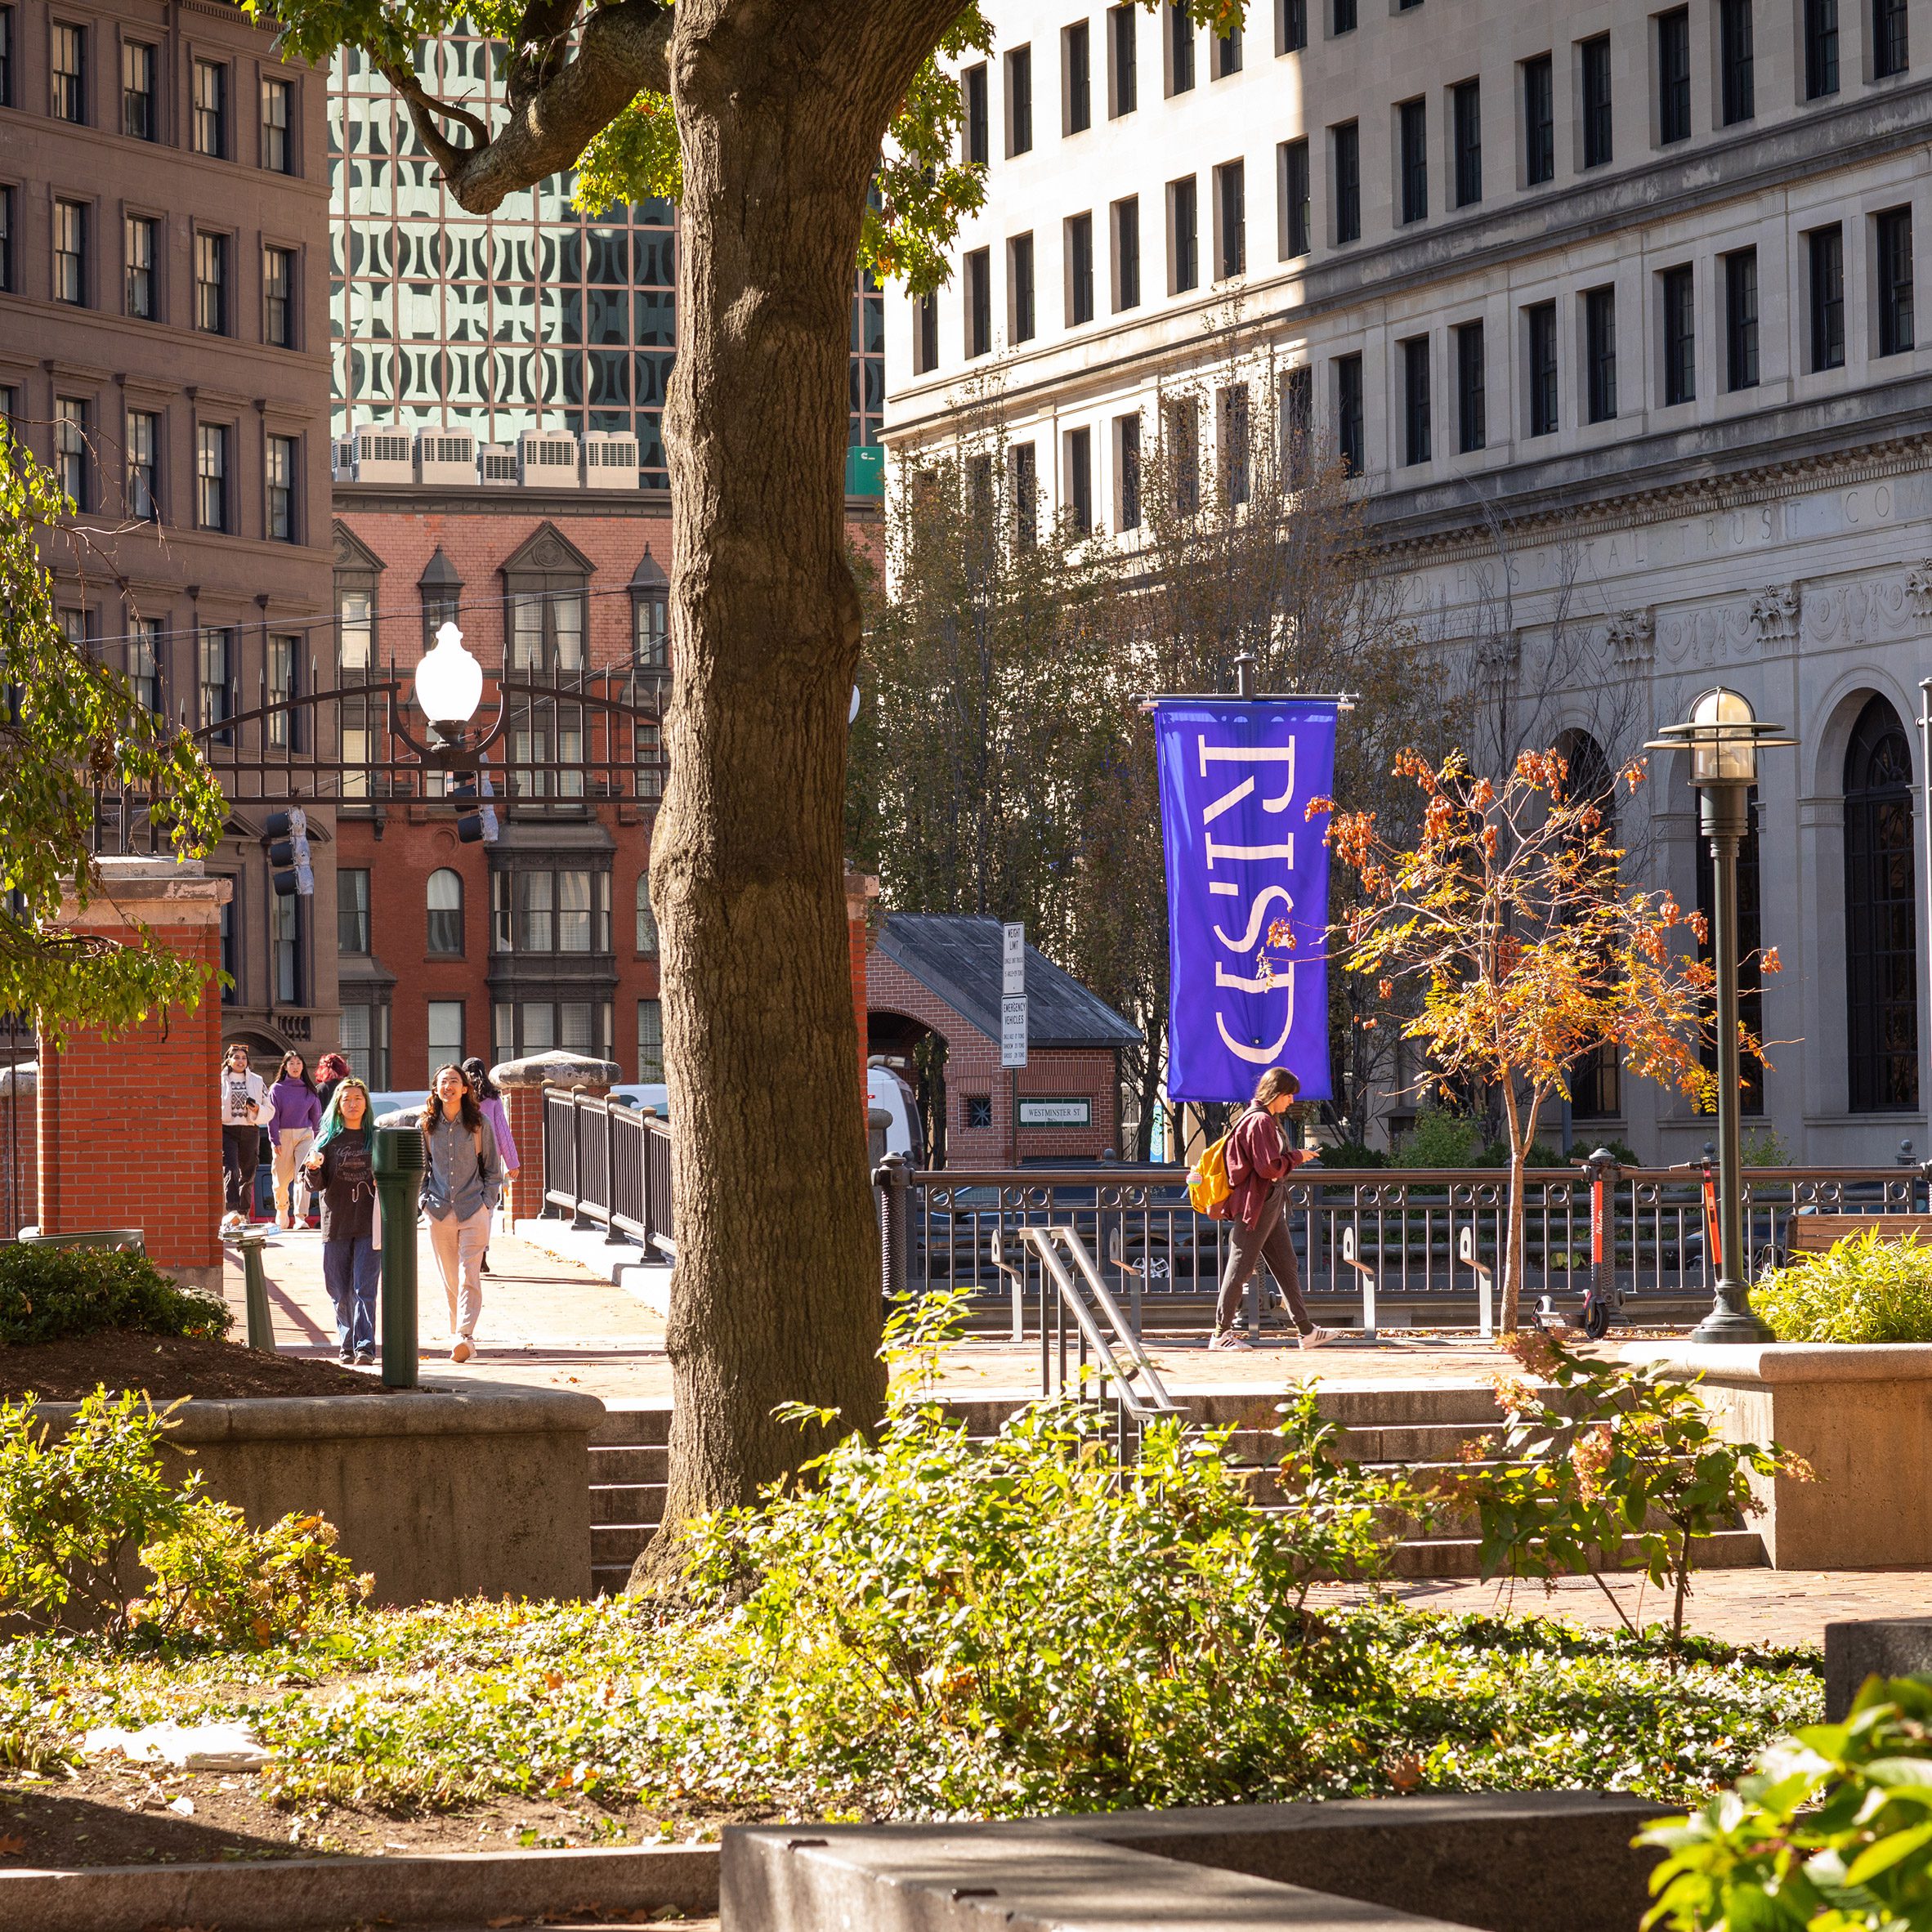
column 1861, row 1415
column 438, row 1495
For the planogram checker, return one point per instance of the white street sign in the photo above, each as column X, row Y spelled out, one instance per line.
column 1012, row 1031
column 1013, row 960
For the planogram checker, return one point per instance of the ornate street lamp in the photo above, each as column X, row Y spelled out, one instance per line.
column 1724, row 737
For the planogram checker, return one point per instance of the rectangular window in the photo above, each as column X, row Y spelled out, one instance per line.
column 573, row 899
column 1595, row 55
column 1231, row 220
column 1821, row 48
column 1891, row 234
column 138, row 232
column 1540, row 326
column 1298, row 419
column 144, row 445
column 366, row 1041
column 1741, row 320
column 9, row 279
column 1127, row 472
column 925, row 334
column 1825, row 250
column 1126, row 227
column 278, row 298
column 282, row 465
column 1345, row 155
column 1416, row 411
column 1232, row 443
column 6, row 53
column 1019, row 101
column 1413, row 141
column 1599, row 351
column 1076, row 72
column 68, row 72
column 1291, row 26
column 1123, row 76
column 215, row 669
column 1026, row 496
column 1679, row 293
column 351, row 909
column 1466, row 100
column 210, row 282
column 1080, row 479
column 144, row 662
column 445, row 1037
column 1226, row 54
column 139, row 121
column 1184, row 236
column 1890, row 52
column 1350, row 439
column 650, row 1043
column 1080, row 270
column 278, row 150
column 1182, row 419
column 1019, row 288
column 1471, row 389
column 1180, row 48
column 979, row 145
column 1673, row 76
column 283, row 667
column 979, row 302
column 70, row 251
column 210, row 108
column 291, row 988
column 355, row 631
column 1538, row 121
column 72, row 471
column 1342, row 16
column 536, row 909
column 211, row 476
column 1297, row 240
column 1737, row 60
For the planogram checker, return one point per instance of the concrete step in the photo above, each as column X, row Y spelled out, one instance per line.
column 630, row 1420
column 1456, row 1556
column 1422, row 1441
column 645, row 1462
column 618, row 1543
column 616, row 1503
column 608, row 1580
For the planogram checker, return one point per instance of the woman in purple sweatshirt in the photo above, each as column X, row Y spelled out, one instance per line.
column 294, row 1115
column 490, row 1100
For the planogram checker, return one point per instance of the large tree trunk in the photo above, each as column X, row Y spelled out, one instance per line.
column 782, row 106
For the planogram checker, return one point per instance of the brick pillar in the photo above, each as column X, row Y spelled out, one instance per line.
column 129, row 1129
column 523, row 1082
column 861, row 890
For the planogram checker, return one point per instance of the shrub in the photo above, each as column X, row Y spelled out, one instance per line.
column 217, row 1580
column 73, row 1513
column 1439, row 1139
column 1353, row 1153
column 1865, row 1289
column 1832, row 1831
column 47, row 1293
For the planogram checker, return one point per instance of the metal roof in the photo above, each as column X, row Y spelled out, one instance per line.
column 960, row 959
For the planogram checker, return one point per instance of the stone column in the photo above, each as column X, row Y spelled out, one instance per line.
column 129, row 1129
column 523, row 1082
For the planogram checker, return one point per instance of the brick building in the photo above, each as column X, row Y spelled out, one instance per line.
column 933, row 986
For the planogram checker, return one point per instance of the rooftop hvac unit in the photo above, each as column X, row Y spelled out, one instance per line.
column 610, row 461
column 547, row 460
column 496, row 463
column 341, row 459
column 445, row 456
column 384, row 456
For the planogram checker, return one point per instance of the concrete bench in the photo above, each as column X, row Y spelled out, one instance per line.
column 1819, row 1234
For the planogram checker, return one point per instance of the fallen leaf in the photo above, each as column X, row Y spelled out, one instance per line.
column 11, row 1845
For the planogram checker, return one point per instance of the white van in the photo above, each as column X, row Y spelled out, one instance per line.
column 906, row 1131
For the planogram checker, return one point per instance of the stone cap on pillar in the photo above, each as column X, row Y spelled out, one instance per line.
column 128, row 889
column 556, row 1070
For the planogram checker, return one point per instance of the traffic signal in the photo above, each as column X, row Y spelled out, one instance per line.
column 476, row 820
column 286, row 835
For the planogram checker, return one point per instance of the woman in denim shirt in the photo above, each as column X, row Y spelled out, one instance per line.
column 462, row 1177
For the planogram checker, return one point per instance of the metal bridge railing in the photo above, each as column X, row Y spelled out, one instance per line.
column 608, row 1166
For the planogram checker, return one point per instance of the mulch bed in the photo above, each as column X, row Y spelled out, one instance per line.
column 166, row 1367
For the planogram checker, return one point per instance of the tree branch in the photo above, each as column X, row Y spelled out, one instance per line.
column 543, row 41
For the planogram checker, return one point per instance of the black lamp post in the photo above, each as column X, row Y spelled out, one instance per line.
column 1724, row 737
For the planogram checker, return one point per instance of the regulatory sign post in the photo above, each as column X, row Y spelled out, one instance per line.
column 1013, row 1024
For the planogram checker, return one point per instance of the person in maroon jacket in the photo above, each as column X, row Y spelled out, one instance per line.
column 1259, row 1162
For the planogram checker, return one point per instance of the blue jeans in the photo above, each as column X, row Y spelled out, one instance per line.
column 352, row 1269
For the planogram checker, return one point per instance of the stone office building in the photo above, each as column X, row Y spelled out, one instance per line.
column 1613, row 310
column 164, row 331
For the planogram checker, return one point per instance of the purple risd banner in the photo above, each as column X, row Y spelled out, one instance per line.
column 1237, row 774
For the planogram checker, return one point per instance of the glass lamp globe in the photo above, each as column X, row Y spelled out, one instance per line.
column 1720, row 753
column 448, row 681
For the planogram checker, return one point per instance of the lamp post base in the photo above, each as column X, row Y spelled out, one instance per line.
column 1731, row 1320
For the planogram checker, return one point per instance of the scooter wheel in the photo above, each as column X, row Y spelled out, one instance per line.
column 1593, row 1319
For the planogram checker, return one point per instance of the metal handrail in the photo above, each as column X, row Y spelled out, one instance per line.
column 607, row 1165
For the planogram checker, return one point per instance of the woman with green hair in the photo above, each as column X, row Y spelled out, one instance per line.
column 341, row 1171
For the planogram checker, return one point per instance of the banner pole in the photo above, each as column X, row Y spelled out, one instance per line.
column 1244, row 675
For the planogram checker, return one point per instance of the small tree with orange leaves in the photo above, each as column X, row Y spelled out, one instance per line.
column 1508, row 920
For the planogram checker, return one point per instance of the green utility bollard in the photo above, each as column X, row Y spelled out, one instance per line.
column 399, row 1181
column 261, row 1328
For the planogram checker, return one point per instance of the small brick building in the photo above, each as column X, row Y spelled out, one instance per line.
column 934, row 977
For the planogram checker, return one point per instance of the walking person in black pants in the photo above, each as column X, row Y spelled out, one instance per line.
column 1259, row 1162
column 245, row 1099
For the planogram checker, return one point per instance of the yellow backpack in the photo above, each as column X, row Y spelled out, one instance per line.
column 1208, row 1190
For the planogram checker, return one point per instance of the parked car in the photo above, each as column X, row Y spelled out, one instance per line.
column 398, row 1106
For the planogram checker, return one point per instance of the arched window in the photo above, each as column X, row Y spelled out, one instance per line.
column 445, row 911
column 1881, row 954
column 646, row 922
column 1596, row 1079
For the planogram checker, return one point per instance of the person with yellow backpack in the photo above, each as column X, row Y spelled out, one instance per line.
column 1243, row 1179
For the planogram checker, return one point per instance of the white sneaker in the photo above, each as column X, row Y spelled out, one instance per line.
column 1231, row 1338
column 1318, row 1338
column 463, row 1350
